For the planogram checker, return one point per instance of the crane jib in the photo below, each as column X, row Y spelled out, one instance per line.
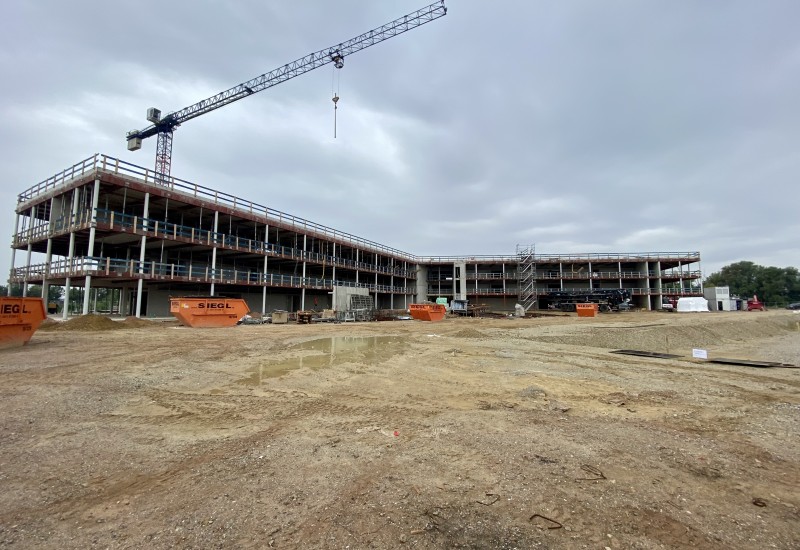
column 335, row 54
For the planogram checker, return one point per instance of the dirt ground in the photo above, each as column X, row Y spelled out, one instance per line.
column 467, row 433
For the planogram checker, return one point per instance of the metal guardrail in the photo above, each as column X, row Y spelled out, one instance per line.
column 146, row 176
column 104, row 163
column 513, row 291
column 167, row 230
column 557, row 258
column 204, row 273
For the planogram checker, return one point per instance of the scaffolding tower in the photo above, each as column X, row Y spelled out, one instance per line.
column 526, row 275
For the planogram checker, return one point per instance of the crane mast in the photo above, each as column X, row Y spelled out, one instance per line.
column 163, row 127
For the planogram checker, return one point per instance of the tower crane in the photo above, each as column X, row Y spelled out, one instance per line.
column 163, row 127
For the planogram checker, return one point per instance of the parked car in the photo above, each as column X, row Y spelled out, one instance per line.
column 795, row 305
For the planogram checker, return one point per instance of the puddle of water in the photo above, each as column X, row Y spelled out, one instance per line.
column 328, row 352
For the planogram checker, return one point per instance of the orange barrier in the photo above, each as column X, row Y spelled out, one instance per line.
column 208, row 312
column 586, row 310
column 427, row 312
column 19, row 319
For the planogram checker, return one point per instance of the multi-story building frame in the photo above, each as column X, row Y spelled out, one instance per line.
column 106, row 223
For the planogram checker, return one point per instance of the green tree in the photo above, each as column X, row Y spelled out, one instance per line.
column 775, row 285
column 741, row 277
column 54, row 293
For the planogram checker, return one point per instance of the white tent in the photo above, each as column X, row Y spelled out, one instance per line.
column 692, row 304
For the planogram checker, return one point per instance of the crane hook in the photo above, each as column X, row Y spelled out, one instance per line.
column 335, row 107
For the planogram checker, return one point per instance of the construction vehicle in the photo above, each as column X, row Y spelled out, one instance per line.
column 164, row 126
column 611, row 299
column 669, row 303
column 754, row 304
column 19, row 319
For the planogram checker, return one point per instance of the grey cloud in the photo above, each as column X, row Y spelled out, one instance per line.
column 578, row 126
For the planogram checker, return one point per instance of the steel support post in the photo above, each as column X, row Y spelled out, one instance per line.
column 71, row 253
column 214, row 253
column 90, row 249
column 140, row 283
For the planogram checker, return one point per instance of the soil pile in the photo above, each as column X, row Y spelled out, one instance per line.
column 85, row 323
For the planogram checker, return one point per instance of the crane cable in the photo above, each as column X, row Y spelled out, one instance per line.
column 335, row 75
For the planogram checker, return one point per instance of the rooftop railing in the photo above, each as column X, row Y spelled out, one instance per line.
column 101, row 162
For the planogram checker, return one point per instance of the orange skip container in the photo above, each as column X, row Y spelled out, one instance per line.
column 19, row 319
column 427, row 312
column 208, row 312
column 586, row 310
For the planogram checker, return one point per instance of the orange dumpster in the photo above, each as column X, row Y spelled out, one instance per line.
column 19, row 319
column 208, row 311
column 427, row 312
column 586, row 310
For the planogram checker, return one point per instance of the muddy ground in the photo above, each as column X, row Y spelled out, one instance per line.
column 468, row 433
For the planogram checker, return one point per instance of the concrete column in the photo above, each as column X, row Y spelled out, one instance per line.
column 70, row 254
column 214, row 252
column 460, row 281
column 264, row 282
column 27, row 270
column 46, row 280
column 123, row 300
column 405, row 285
column 13, row 256
column 422, row 283
column 376, row 281
column 333, row 261
column 31, row 217
column 658, row 285
column 356, row 266
column 646, row 273
column 591, row 277
column 48, row 258
column 303, row 282
column 140, row 284
column 90, row 249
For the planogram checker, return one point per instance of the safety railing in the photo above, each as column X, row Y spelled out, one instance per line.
column 618, row 256
column 104, row 163
column 76, row 170
column 168, row 230
column 204, row 273
column 113, row 165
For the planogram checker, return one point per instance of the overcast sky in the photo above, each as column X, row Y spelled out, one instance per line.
column 575, row 126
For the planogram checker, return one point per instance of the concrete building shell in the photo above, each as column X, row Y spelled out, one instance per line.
column 106, row 223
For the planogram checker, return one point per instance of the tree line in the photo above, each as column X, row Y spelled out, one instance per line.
column 773, row 285
column 101, row 298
